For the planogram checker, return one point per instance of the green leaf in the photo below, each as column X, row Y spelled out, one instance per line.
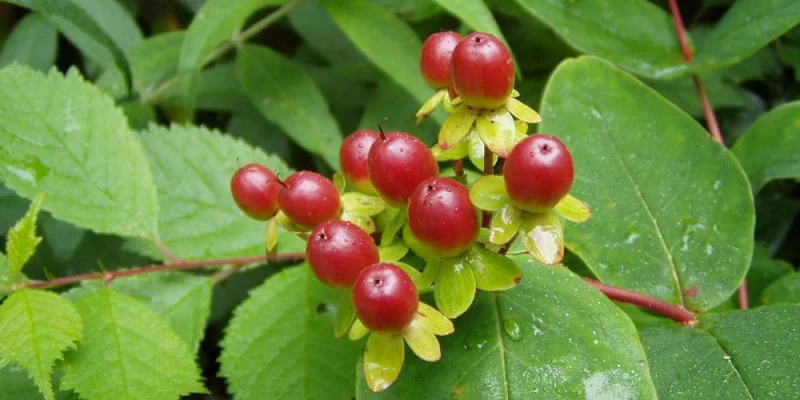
column 634, row 34
column 56, row 135
column 671, row 209
column 764, row 271
column 747, row 26
column 489, row 193
column 767, row 150
column 214, row 23
column 36, row 327
column 391, row 101
column 16, row 384
column 34, row 41
column 784, row 290
column 126, row 340
column 493, row 271
column 217, row 88
column 280, row 343
column 383, row 359
column 199, row 219
column 284, row 94
column 504, row 224
column 154, row 60
column 21, row 241
column 551, row 337
column 454, row 287
column 182, row 300
column 721, row 92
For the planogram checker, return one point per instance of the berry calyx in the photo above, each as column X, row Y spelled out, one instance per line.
column 310, row 199
column 434, row 62
column 353, row 159
column 482, row 71
column 337, row 251
column 385, row 298
column 538, row 173
column 440, row 215
column 255, row 189
column 397, row 163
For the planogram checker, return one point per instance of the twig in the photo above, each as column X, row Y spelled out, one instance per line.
column 166, row 252
column 180, row 265
column 673, row 311
column 744, row 301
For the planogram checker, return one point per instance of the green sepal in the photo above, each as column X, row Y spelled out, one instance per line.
column 498, row 131
column 393, row 226
column 573, row 209
column 522, row 111
column 430, row 106
column 339, row 182
column 361, row 203
column 422, row 341
column 455, row 287
column 383, row 360
column 363, row 221
column 489, row 193
column 358, row 330
column 493, row 271
column 434, row 320
column 424, row 251
column 345, row 314
column 271, row 234
column 412, row 272
column 456, row 127
column 287, row 224
column 392, row 252
column 476, row 150
column 504, row 224
column 455, row 152
column 21, row 240
column 543, row 237
column 429, row 274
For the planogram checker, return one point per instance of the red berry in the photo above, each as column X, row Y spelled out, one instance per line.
column 538, row 173
column 310, row 199
column 337, row 251
column 434, row 63
column 353, row 159
column 482, row 71
column 255, row 189
column 397, row 163
column 385, row 298
column 441, row 216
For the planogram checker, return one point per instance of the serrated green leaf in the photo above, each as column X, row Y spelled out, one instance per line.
column 746, row 27
column 767, row 150
column 543, row 237
column 123, row 338
column 214, row 23
column 17, row 385
column 5, row 274
column 154, row 60
column 279, row 343
column 34, row 42
column 284, row 94
column 456, row 127
column 784, row 290
column 182, row 300
column 504, row 224
column 199, row 219
column 493, row 271
column 551, row 337
column 669, row 205
column 489, row 193
column 454, row 287
column 634, row 34
column 21, row 241
column 36, row 327
column 362, row 203
column 56, row 134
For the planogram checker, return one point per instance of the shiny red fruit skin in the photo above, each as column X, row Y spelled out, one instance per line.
column 397, row 163
column 482, row 71
column 434, row 62
column 310, row 199
column 441, row 215
column 538, row 173
column 353, row 159
column 337, row 251
column 385, row 298
column 255, row 189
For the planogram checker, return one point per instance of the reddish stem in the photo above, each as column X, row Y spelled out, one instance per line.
column 744, row 301
column 673, row 311
column 458, row 167
column 178, row 265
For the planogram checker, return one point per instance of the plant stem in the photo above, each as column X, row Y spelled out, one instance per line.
column 673, row 311
column 708, row 110
column 178, row 265
column 166, row 252
column 744, row 301
column 458, row 167
column 237, row 40
column 488, row 169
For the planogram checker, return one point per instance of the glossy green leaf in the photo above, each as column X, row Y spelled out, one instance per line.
column 493, row 271
column 21, row 240
column 573, row 209
column 199, row 219
column 721, row 92
column 125, row 339
column 498, row 131
column 551, row 337
column 634, row 34
column 383, row 360
column 767, row 150
column 764, row 271
column 362, row 203
column 454, row 287
column 422, row 341
column 280, row 343
column 489, row 193
column 784, row 290
column 155, row 60
column 504, row 224
column 671, row 209
column 34, row 42
column 456, row 127
column 36, row 327
column 56, row 133
column 746, row 27
column 284, row 94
